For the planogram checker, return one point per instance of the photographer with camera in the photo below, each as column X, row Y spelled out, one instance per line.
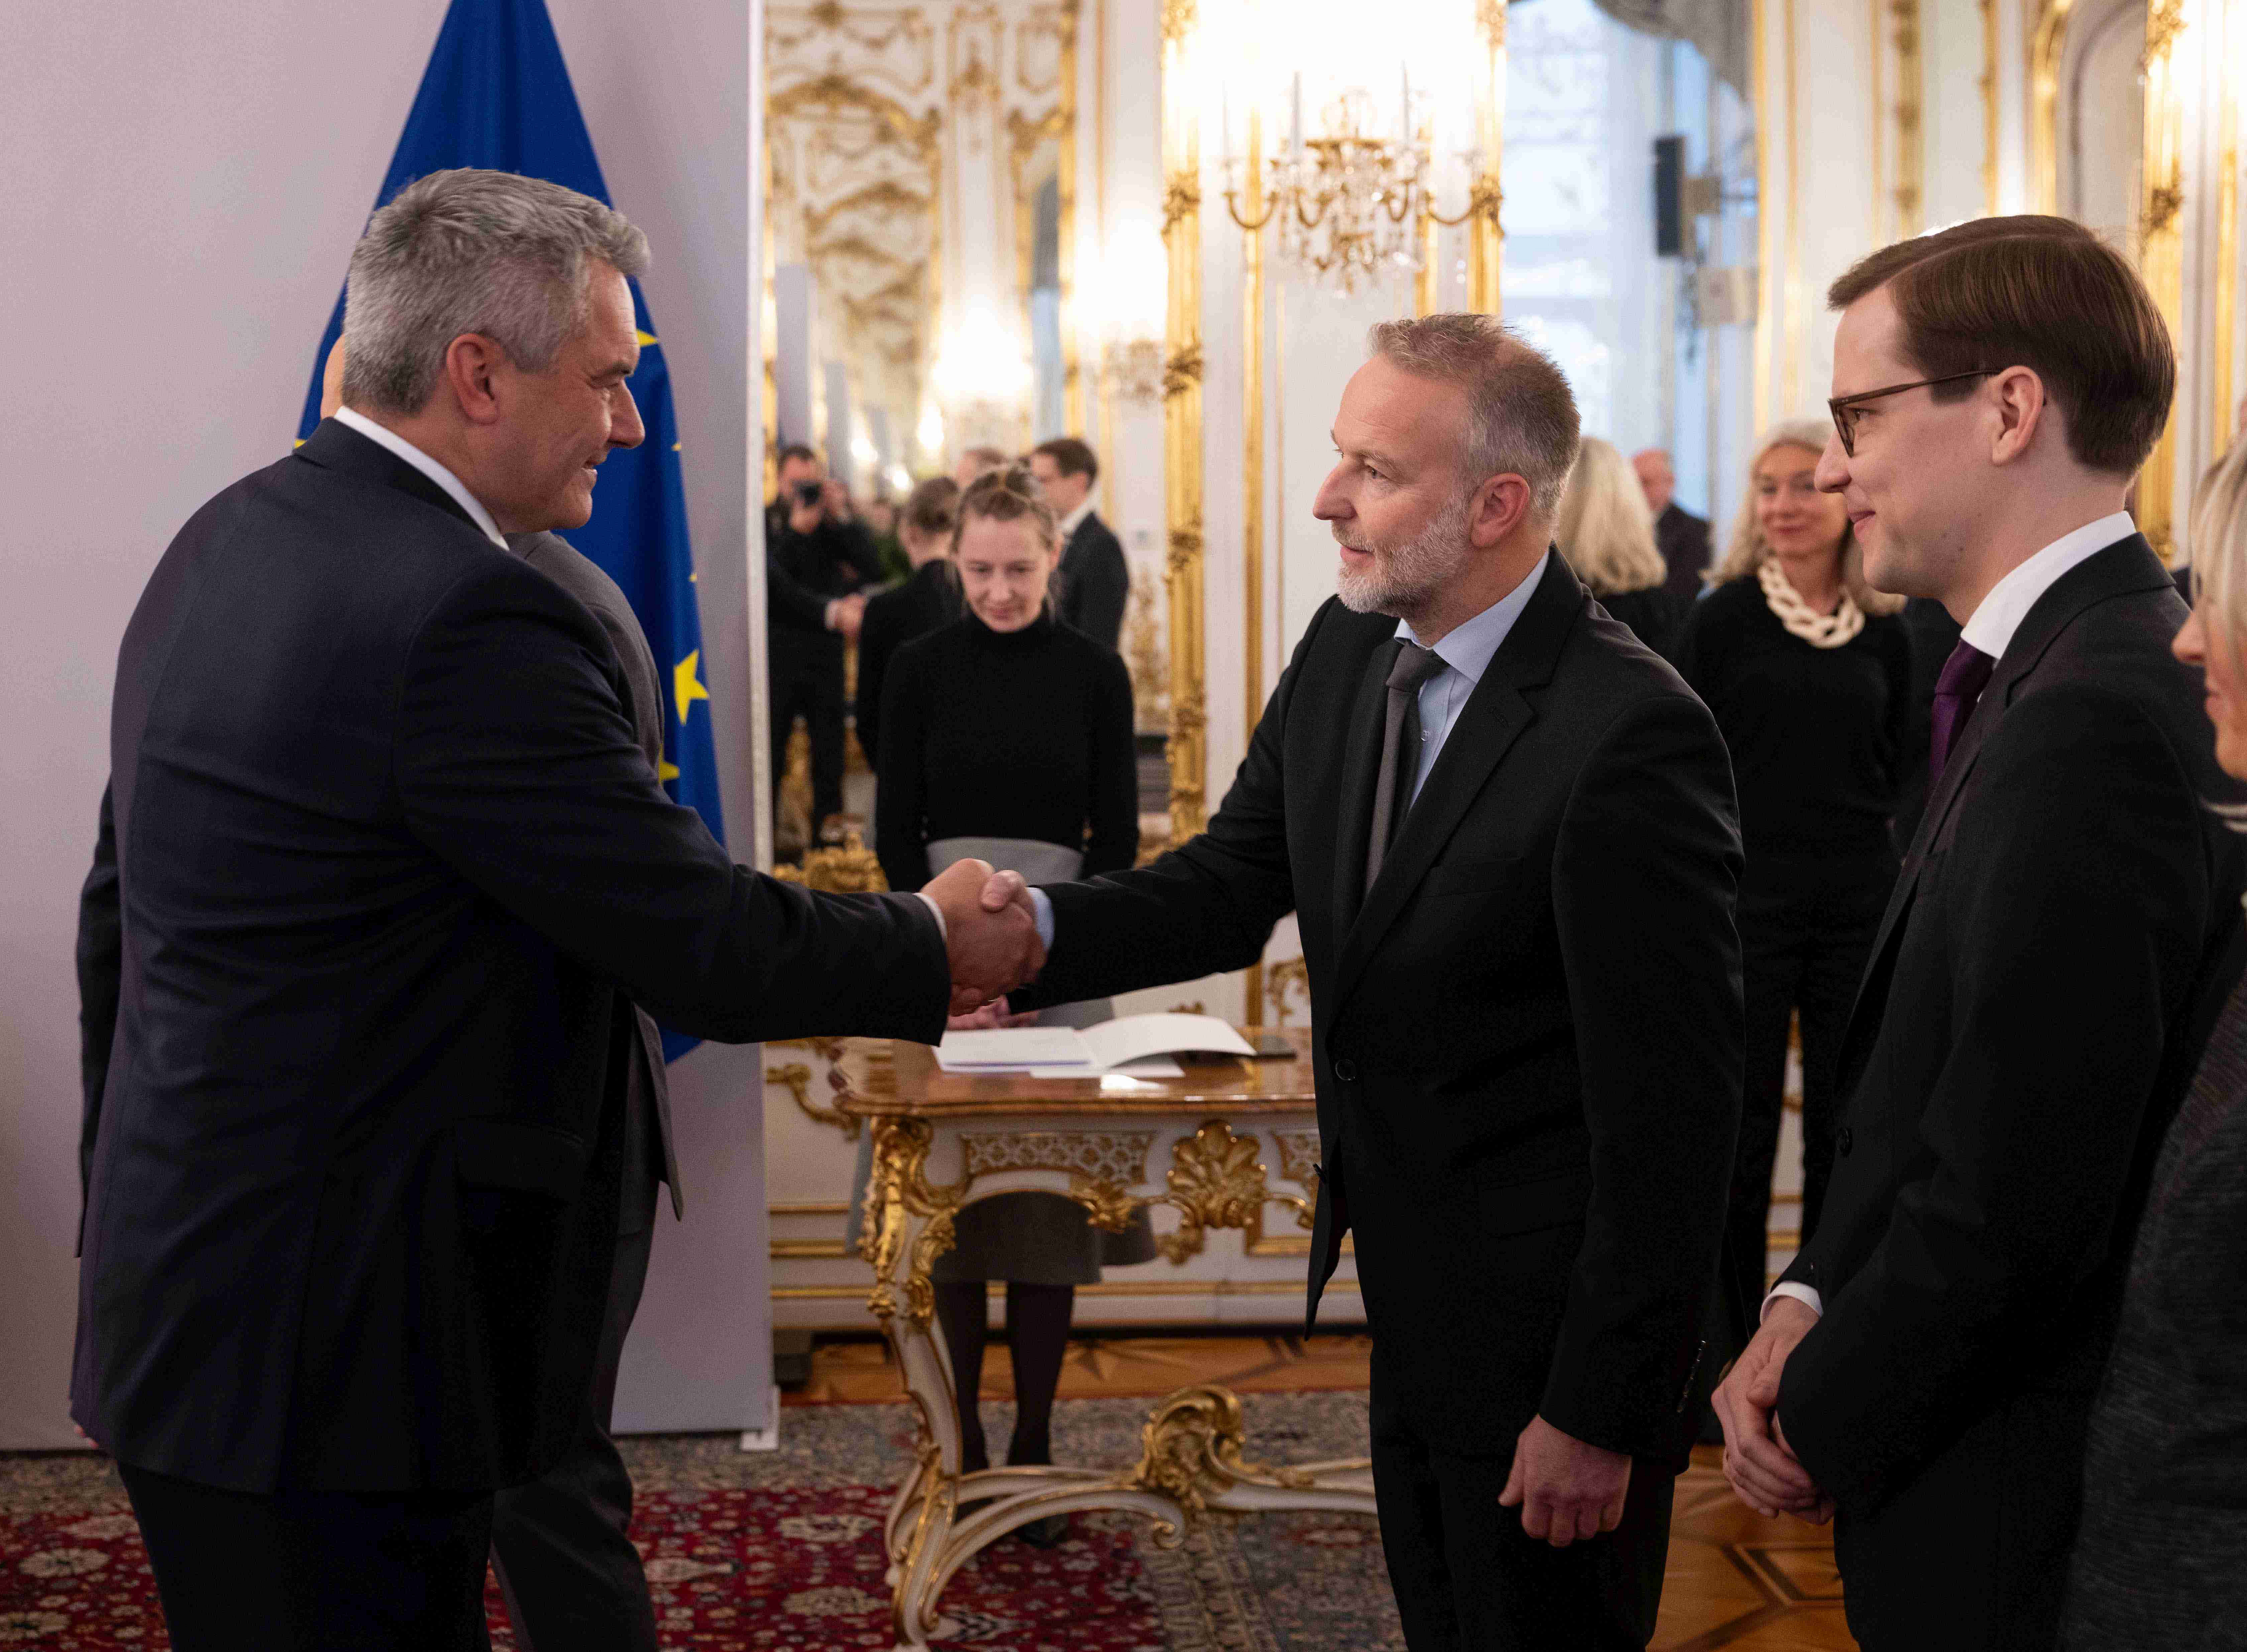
column 817, row 555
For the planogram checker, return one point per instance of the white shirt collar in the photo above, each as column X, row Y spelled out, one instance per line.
column 1467, row 648
column 1071, row 522
column 1991, row 627
column 383, row 436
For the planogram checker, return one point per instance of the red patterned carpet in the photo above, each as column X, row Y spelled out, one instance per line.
column 731, row 1572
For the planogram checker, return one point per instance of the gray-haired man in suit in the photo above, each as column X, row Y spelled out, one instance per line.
column 570, row 1575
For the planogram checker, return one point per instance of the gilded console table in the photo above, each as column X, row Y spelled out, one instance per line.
column 943, row 1141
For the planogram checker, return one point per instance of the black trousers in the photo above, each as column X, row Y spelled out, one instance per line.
column 1806, row 931
column 572, row 1579
column 1468, row 1579
column 805, row 677
column 314, row 1571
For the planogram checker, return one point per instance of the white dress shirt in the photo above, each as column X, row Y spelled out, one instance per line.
column 1069, row 524
column 382, row 437
column 1466, row 650
column 1991, row 629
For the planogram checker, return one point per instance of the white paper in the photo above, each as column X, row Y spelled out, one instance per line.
column 1071, row 1052
column 1113, row 1043
column 1013, row 1050
column 1146, row 1067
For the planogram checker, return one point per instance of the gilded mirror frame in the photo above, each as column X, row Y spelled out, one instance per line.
column 875, row 26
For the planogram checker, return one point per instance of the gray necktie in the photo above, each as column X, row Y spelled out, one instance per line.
column 1400, row 749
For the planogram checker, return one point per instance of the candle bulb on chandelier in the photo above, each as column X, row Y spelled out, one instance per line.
column 1295, row 129
column 1404, row 109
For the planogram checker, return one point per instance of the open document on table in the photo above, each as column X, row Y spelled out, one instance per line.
column 1143, row 1046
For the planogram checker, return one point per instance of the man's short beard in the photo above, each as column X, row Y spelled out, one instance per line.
column 1404, row 578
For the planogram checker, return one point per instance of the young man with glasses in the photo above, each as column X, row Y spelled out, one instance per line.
column 2054, row 954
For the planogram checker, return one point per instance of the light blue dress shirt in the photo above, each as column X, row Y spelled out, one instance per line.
column 1466, row 650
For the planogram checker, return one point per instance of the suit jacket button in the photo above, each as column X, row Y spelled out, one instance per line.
column 1845, row 1141
column 1345, row 1069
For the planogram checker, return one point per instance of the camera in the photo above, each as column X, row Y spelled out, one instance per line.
column 808, row 493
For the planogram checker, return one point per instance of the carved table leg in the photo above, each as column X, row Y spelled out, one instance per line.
column 1191, row 1458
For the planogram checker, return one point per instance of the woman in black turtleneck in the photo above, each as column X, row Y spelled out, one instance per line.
column 1807, row 670
column 1007, row 737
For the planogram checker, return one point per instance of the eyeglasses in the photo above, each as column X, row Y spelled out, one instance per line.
column 1845, row 409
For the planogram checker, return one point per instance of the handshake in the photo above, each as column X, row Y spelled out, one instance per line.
column 990, row 932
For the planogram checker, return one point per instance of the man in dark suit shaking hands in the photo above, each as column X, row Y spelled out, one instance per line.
column 383, row 871
column 2050, row 961
column 1509, row 831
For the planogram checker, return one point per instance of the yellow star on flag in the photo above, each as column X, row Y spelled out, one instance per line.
column 665, row 769
column 684, row 688
column 645, row 338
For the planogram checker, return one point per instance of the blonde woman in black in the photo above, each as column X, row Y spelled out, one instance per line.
column 1607, row 534
column 1809, row 671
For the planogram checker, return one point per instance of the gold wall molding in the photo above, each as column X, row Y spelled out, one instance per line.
column 1289, row 976
column 1989, row 89
column 795, row 1078
column 1181, row 435
column 2160, row 242
column 1907, row 194
column 2047, row 41
column 1766, row 321
column 1486, row 197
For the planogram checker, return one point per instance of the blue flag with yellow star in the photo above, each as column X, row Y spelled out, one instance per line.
column 497, row 94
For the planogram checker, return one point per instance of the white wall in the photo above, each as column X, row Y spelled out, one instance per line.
column 186, row 183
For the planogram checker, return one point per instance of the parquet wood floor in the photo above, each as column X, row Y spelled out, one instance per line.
column 1736, row 1580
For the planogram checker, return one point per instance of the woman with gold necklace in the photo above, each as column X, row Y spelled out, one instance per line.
column 1807, row 670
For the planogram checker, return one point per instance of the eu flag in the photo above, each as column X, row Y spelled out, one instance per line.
column 497, row 94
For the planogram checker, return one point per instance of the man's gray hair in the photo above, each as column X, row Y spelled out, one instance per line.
column 472, row 251
column 1522, row 415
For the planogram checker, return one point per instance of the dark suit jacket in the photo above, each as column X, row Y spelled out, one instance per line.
column 2021, row 1039
column 649, row 1156
column 1526, row 1033
column 928, row 600
column 381, row 851
column 1654, row 615
column 1683, row 538
column 1094, row 584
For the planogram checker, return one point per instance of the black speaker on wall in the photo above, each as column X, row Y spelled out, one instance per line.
column 1669, row 197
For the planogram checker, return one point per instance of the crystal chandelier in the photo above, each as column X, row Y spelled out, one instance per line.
column 1352, row 198
column 1349, row 206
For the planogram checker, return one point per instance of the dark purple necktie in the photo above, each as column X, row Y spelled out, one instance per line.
column 1965, row 674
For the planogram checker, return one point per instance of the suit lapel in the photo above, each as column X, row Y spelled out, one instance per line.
column 1487, row 729
column 2126, row 566
column 1360, row 765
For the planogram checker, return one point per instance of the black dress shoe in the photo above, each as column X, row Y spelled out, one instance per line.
column 1049, row 1533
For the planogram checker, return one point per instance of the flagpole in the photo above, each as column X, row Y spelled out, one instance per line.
column 761, row 757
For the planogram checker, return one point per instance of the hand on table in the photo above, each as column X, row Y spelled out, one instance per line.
column 1566, row 1488
column 990, row 938
column 1766, row 1475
